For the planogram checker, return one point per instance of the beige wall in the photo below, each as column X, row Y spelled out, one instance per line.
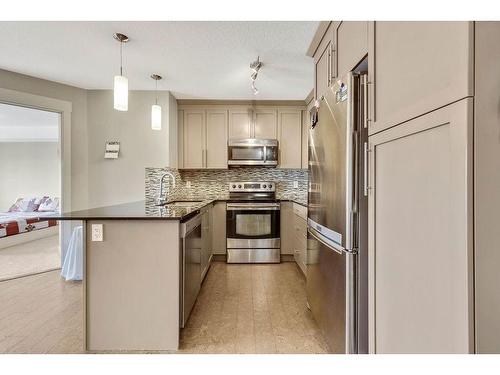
column 95, row 181
column 114, row 181
column 487, row 180
column 78, row 98
column 28, row 169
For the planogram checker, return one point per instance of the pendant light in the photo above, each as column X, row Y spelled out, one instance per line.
column 120, row 88
column 156, row 108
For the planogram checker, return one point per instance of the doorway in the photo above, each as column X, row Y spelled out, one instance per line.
column 30, row 190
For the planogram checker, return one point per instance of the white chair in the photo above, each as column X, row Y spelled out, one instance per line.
column 72, row 268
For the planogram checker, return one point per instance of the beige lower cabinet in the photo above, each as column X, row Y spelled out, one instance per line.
column 294, row 232
column 287, row 223
column 300, row 236
column 420, row 234
column 219, row 228
column 206, row 240
column 290, row 138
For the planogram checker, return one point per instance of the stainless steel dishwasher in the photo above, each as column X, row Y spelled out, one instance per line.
column 190, row 266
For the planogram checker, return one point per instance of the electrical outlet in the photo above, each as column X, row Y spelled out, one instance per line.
column 97, row 232
column 296, row 184
column 188, row 184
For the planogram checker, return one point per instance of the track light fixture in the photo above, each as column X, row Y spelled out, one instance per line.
column 255, row 67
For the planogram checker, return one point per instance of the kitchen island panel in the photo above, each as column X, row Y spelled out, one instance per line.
column 132, row 286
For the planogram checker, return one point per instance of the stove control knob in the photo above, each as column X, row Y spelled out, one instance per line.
column 234, row 186
column 270, row 186
column 264, row 186
column 239, row 186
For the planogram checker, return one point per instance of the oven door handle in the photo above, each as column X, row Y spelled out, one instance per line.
column 246, row 208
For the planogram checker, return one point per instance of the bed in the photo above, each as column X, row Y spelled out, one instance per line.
column 12, row 223
column 19, row 226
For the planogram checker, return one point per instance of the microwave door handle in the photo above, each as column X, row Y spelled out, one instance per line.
column 265, row 154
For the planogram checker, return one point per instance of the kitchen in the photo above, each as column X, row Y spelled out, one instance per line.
column 304, row 224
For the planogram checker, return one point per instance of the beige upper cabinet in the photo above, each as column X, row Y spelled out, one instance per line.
column 265, row 124
column 204, row 138
column 216, row 142
column 305, row 139
column 417, row 67
column 351, row 45
column 253, row 123
column 290, row 138
column 322, row 68
column 305, row 133
column 324, row 59
column 240, row 123
column 420, row 234
column 194, row 138
column 204, row 132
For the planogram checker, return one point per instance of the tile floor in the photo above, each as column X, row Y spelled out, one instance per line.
column 240, row 309
column 30, row 257
column 41, row 314
column 252, row 309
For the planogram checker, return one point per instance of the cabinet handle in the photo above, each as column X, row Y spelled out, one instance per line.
column 370, row 98
column 364, row 82
column 365, row 177
column 329, row 67
column 333, row 61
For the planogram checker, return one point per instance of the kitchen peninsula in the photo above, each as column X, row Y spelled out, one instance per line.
column 132, row 274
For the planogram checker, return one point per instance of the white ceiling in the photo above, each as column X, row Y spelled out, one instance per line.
column 21, row 124
column 208, row 60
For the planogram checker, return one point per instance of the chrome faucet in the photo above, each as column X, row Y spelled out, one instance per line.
column 160, row 196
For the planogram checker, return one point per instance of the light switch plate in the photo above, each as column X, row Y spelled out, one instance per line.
column 188, row 184
column 97, row 232
column 296, row 184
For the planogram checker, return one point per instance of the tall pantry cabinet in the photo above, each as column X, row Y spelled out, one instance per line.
column 434, row 146
column 434, row 178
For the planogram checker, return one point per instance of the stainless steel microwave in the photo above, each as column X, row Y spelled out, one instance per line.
column 252, row 152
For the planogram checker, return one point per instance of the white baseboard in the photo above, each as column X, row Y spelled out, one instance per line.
column 21, row 238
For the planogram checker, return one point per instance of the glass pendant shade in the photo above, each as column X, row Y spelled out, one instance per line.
column 121, row 93
column 156, row 117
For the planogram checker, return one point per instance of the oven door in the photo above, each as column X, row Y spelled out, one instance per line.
column 253, row 225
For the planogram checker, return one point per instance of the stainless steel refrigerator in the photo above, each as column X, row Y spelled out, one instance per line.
column 337, row 216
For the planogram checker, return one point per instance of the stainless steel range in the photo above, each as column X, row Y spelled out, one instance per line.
column 253, row 223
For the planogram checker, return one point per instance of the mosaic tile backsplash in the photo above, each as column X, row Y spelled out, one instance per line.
column 213, row 183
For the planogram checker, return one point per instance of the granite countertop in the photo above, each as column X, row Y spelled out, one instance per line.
column 147, row 210
column 135, row 210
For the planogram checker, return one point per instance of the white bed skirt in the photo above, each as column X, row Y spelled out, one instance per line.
column 28, row 236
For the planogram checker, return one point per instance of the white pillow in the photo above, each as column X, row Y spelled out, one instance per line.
column 49, row 204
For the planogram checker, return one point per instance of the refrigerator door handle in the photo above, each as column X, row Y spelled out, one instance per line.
column 317, row 237
column 365, row 169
